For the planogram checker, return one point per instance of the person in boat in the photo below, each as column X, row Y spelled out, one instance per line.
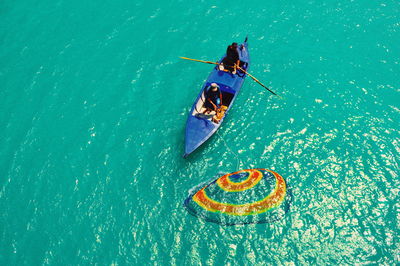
column 213, row 98
column 231, row 60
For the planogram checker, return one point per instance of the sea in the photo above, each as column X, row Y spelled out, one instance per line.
column 94, row 102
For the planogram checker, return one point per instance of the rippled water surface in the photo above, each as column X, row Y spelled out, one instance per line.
column 94, row 104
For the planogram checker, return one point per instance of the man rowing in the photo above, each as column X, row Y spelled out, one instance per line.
column 231, row 60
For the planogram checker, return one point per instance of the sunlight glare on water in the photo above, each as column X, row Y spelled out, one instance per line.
column 95, row 100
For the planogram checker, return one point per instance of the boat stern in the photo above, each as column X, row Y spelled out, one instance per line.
column 198, row 130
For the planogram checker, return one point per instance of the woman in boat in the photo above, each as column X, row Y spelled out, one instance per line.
column 231, row 61
column 213, row 98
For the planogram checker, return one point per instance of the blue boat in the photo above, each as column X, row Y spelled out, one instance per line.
column 200, row 126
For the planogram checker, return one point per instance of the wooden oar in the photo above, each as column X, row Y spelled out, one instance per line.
column 244, row 71
column 202, row 61
column 256, row 80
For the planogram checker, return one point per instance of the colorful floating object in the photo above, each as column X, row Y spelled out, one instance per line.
column 242, row 197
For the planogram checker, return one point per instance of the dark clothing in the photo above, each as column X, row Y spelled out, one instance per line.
column 232, row 56
column 214, row 96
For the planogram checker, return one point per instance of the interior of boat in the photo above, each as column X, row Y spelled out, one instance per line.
column 201, row 111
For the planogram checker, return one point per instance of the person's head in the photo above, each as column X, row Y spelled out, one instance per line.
column 214, row 86
column 234, row 45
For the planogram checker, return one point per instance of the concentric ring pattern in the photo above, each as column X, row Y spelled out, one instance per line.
column 245, row 196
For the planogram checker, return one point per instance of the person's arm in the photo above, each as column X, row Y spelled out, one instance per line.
column 237, row 64
column 237, row 57
column 215, row 107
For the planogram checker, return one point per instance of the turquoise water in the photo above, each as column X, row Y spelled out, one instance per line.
column 94, row 104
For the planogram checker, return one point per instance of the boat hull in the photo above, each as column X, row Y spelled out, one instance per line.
column 200, row 127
